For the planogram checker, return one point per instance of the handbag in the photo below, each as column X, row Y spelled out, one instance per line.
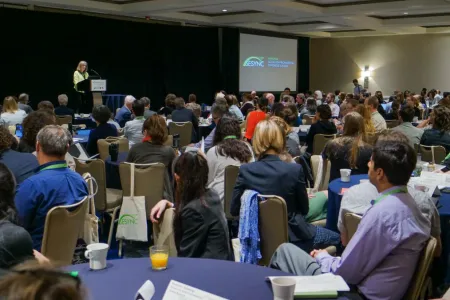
column 90, row 230
column 132, row 223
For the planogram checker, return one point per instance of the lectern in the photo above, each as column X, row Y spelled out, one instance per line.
column 96, row 86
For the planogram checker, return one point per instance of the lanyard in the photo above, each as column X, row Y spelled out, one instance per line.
column 401, row 190
column 230, row 137
column 55, row 166
column 139, row 118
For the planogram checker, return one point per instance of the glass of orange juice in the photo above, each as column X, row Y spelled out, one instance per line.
column 159, row 255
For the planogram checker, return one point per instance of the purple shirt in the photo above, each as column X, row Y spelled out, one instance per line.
column 382, row 255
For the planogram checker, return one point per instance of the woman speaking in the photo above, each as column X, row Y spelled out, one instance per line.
column 81, row 98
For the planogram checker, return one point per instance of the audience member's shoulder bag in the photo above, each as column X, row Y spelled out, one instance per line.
column 132, row 220
column 90, row 232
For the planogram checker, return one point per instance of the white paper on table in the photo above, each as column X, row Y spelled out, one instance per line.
column 304, row 128
column 146, row 291
column 320, row 283
column 439, row 179
column 295, row 129
column 179, row 291
column 77, row 139
column 202, row 145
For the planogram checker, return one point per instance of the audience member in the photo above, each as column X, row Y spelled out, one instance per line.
column 233, row 108
column 413, row 134
column 62, row 109
column 321, row 125
column 228, row 150
column 347, row 107
column 192, row 105
column 255, row 117
column 46, row 105
column 439, row 134
column 378, row 121
column 24, row 101
column 124, row 114
column 100, row 114
column 148, row 112
column 292, row 139
column 53, row 185
column 333, row 106
column 300, row 101
column 350, row 151
column 411, row 102
column 217, row 112
column 34, row 122
column 271, row 176
column 291, row 115
column 364, row 111
column 247, row 105
column 200, row 226
column 393, row 230
column 169, row 105
column 395, row 110
column 152, row 149
column 182, row 114
column 270, row 100
column 358, row 88
column 318, row 97
column 133, row 129
column 11, row 114
column 310, row 109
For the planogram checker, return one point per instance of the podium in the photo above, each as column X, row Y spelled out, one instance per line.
column 94, row 86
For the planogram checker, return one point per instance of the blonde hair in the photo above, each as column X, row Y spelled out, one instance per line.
column 82, row 63
column 282, row 123
column 268, row 136
column 10, row 105
column 364, row 111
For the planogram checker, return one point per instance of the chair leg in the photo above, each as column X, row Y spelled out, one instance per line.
column 111, row 227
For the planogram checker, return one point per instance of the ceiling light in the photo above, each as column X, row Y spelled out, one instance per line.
column 224, row 10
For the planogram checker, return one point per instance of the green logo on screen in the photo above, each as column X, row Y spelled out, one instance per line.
column 128, row 220
column 254, row 61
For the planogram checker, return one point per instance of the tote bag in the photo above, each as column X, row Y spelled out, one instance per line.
column 90, row 230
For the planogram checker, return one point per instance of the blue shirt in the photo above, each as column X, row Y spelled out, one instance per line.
column 22, row 165
column 101, row 132
column 43, row 191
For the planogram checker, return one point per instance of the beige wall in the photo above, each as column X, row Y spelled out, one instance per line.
column 399, row 62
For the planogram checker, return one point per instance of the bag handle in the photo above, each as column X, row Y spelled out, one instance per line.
column 132, row 181
column 91, row 180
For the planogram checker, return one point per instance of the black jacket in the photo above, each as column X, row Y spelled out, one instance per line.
column 64, row 111
column 186, row 115
column 434, row 137
column 320, row 127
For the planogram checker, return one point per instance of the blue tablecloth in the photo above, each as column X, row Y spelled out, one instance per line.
column 112, row 171
column 113, row 101
column 83, row 136
column 302, row 136
column 234, row 281
column 334, row 198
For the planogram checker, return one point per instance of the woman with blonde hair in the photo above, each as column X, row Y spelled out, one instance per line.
column 79, row 75
column 11, row 114
column 351, row 150
column 269, row 175
column 292, row 139
column 364, row 111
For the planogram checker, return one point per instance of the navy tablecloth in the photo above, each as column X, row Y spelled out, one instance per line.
column 112, row 171
column 230, row 280
column 113, row 101
column 89, row 122
column 302, row 136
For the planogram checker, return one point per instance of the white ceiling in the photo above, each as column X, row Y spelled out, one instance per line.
column 314, row 18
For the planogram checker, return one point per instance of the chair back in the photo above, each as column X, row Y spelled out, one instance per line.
column 95, row 167
column 61, row 120
column 148, row 182
column 103, row 146
column 320, row 140
column 231, row 174
column 320, row 183
column 163, row 232
column 351, row 222
column 428, row 151
column 63, row 226
column 392, row 123
column 184, row 130
column 273, row 226
column 417, row 284
column 307, row 119
column 169, row 141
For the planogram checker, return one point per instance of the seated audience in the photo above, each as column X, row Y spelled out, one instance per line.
column 217, row 112
column 228, row 150
column 255, row 117
column 300, row 102
column 292, row 139
column 333, row 106
column 310, row 109
column 24, row 101
column 200, row 227
column 233, row 108
column 413, row 134
column 364, row 111
column 124, row 114
column 100, row 114
column 34, row 122
column 439, row 134
column 114, row 123
column 382, row 255
column 11, row 114
column 247, row 104
column 318, row 97
column 22, row 165
column 46, row 105
column 350, row 151
column 192, row 105
column 271, row 176
column 62, row 109
column 292, row 116
column 182, row 114
column 321, row 125
column 133, row 129
column 378, row 121
column 347, row 107
column 170, row 106
column 54, row 184
column 394, row 113
column 148, row 112
column 153, row 150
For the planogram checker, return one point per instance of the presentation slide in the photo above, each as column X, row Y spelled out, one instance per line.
column 267, row 63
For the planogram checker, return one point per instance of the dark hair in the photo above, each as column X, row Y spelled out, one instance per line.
column 192, row 169
column 179, row 102
column 34, row 122
column 392, row 135
column 192, row 98
column 311, row 106
column 289, row 114
column 6, row 139
column 396, row 159
column 7, row 194
column 395, row 106
column 170, row 100
column 231, row 99
column 337, row 92
column 353, row 102
column 355, row 80
column 287, row 89
column 441, row 118
column 138, row 107
column 263, row 103
column 101, row 114
column 324, row 111
column 373, row 101
column 277, row 108
column 227, row 140
column 407, row 113
column 156, row 129
column 219, row 110
column 45, row 105
column 146, row 101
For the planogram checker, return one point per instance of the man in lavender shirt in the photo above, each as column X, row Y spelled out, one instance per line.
column 381, row 257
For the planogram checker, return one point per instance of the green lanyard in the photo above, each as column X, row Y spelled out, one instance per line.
column 230, row 137
column 139, row 118
column 401, row 190
column 55, row 166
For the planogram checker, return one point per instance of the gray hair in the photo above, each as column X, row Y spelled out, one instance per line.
column 54, row 140
column 129, row 99
column 179, row 102
column 63, row 99
column 23, row 98
column 146, row 101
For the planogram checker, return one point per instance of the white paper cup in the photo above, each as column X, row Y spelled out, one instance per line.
column 96, row 253
column 345, row 175
column 283, row 288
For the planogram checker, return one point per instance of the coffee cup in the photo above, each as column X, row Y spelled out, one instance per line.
column 345, row 175
column 283, row 288
column 96, row 253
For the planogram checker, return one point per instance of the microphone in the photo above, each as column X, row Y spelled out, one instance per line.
column 96, row 73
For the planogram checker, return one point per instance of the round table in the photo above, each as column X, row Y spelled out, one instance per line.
column 335, row 197
column 82, row 136
column 112, row 171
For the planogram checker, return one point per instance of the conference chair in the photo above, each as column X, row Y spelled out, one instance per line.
column 322, row 175
column 392, row 123
column 420, row 280
column 184, row 129
column 435, row 154
column 351, row 222
column 63, row 226
column 163, row 232
column 106, row 200
column 273, row 226
column 169, row 141
column 307, row 119
column 103, row 146
column 61, row 120
column 320, row 140
column 231, row 174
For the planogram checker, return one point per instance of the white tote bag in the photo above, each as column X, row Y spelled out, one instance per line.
column 90, row 227
column 132, row 223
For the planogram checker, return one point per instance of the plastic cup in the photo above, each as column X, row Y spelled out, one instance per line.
column 159, row 256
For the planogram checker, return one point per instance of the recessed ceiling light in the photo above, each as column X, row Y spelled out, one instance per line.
column 224, row 10
column 405, row 13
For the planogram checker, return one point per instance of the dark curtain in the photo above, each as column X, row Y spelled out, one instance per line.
column 303, row 64
column 230, row 60
column 40, row 52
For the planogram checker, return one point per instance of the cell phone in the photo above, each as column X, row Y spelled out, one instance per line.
column 176, row 141
column 19, row 130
